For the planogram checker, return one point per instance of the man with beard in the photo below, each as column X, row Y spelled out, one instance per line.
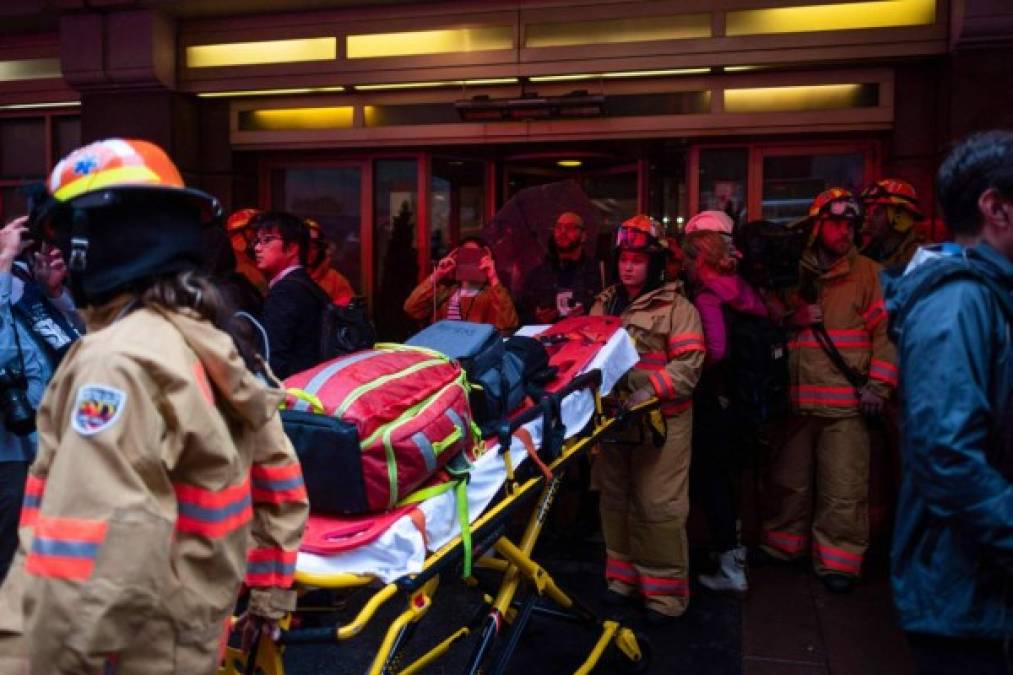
column 841, row 368
column 566, row 283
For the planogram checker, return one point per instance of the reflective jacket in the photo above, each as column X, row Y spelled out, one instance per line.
column 855, row 319
column 952, row 558
column 163, row 481
column 667, row 333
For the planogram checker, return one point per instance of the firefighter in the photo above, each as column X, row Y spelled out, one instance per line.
column 644, row 488
column 241, row 236
column 163, row 479
column 891, row 212
column 838, row 302
column 334, row 283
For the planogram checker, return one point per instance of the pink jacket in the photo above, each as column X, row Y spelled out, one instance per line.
column 730, row 290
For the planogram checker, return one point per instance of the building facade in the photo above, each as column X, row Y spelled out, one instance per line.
column 403, row 126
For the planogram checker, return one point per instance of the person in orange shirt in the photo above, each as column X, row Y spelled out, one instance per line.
column 241, row 236
column 319, row 266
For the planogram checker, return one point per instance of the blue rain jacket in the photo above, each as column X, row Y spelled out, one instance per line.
column 952, row 557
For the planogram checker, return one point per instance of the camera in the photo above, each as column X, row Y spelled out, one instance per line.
column 17, row 412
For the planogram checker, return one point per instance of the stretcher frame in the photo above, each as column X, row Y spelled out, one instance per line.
column 514, row 563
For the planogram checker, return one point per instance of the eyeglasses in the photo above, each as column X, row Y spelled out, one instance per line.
column 265, row 239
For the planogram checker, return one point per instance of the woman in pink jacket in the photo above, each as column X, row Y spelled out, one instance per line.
column 721, row 297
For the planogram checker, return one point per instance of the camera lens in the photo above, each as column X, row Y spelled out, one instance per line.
column 18, row 413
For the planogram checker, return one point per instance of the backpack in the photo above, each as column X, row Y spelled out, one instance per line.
column 343, row 328
column 757, row 368
column 771, row 253
column 372, row 427
column 498, row 371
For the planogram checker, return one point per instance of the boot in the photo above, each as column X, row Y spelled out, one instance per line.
column 730, row 576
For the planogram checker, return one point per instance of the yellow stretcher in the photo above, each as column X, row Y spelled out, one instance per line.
column 505, row 617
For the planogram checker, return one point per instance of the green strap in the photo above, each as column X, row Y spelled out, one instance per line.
column 461, row 497
column 460, row 488
column 314, row 401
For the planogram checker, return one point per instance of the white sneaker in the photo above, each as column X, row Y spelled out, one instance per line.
column 730, row 576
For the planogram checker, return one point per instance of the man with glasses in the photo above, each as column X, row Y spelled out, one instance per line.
column 294, row 306
column 567, row 282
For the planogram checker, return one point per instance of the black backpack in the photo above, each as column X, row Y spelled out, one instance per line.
column 343, row 328
column 771, row 253
column 757, row 368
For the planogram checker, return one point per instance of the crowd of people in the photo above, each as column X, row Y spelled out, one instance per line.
column 157, row 447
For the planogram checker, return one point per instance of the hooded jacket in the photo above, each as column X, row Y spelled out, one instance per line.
column 163, row 481
column 855, row 319
column 952, row 558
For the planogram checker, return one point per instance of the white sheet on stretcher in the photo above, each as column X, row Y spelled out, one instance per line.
column 401, row 549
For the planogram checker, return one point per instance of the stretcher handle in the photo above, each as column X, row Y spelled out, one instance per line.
column 305, row 636
column 589, row 380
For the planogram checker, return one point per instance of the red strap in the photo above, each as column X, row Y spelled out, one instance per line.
column 524, row 436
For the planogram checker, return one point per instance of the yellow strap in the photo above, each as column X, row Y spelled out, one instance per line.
column 313, row 401
column 102, row 179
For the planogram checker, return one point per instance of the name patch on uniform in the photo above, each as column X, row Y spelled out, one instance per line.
column 97, row 407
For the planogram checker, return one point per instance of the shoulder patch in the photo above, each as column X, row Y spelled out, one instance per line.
column 97, row 407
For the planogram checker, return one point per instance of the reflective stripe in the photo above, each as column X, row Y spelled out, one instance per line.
column 278, row 484
column 620, row 571
column 874, row 315
column 662, row 383
column 785, row 542
column 65, row 548
column 270, row 567
column 685, row 342
column 317, row 382
column 213, row 513
column 838, row 559
column 841, row 397
column 677, row 406
column 426, row 450
column 654, row 586
column 34, row 488
column 102, row 179
column 842, row 339
column 884, row 371
column 652, row 361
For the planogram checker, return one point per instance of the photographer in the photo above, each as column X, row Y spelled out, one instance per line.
column 464, row 286
column 37, row 326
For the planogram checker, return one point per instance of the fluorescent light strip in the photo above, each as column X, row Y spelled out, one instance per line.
column 423, row 85
column 262, row 52
column 269, row 92
column 617, row 75
column 36, row 106
column 29, row 69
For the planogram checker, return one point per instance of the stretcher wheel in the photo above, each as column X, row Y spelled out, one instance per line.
column 621, row 662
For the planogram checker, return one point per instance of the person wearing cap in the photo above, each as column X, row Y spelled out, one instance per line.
column 163, row 479
column 567, row 282
column 318, row 264
column 891, row 214
column 241, row 235
column 841, row 368
column 645, row 488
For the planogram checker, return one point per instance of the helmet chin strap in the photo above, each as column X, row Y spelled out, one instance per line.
column 78, row 262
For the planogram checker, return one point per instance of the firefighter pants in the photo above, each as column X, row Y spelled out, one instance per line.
column 833, row 452
column 644, row 504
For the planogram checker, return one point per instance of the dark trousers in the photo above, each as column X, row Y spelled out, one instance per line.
column 12, row 493
column 939, row 655
column 714, row 470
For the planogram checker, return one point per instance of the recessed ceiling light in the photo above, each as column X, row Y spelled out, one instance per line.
column 569, row 163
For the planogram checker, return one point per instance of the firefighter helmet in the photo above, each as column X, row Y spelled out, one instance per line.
column 119, row 210
column 640, row 233
column 893, row 192
column 835, row 203
column 240, row 220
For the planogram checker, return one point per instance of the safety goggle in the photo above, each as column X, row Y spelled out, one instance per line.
column 633, row 238
column 841, row 208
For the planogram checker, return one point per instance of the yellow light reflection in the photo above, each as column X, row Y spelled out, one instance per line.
column 423, row 85
column 618, row 30
column 297, row 119
column 620, row 74
column 782, row 99
column 842, row 16
column 265, row 51
column 443, row 41
column 270, row 92
column 29, row 69
column 36, row 106
column 569, row 163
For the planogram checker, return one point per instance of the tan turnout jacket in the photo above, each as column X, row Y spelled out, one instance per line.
column 668, row 335
column 854, row 315
column 163, row 481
